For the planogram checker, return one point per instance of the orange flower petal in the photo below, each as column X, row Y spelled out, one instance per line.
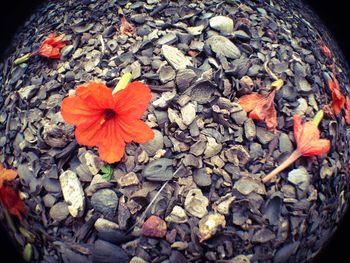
column 261, row 108
column 135, row 130
column 112, row 146
column 51, row 46
column 132, row 101
column 6, row 175
column 76, row 111
column 96, row 94
column 347, row 113
column 338, row 100
column 91, row 133
column 249, row 102
column 271, row 119
column 317, row 147
column 307, row 137
column 10, row 199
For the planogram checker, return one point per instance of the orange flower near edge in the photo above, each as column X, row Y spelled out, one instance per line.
column 108, row 120
column 6, row 175
column 11, row 201
column 347, row 112
column 325, row 49
column 261, row 107
column 338, row 100
column 307, row 137
column 126, row 28
column 51, row 46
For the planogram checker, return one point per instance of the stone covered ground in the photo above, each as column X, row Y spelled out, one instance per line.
column 207, row 155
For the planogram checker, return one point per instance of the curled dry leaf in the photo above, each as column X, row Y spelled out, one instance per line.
column 126, row 28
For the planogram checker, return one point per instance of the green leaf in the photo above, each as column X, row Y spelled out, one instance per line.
column 106, row 177
column 28, row 252
column 107, row 172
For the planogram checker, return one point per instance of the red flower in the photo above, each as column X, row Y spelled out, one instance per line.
column 347, row 113
column 338, row 100
column 51, row 46
column 126, row 28
column 6, row 175
column 108, row 120
column 325, row 49
column 261, row 107
column 307, row 137
column 11, row 201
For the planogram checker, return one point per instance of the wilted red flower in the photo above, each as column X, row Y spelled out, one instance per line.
column 6, row 175
column 307, row 137
column 126, row 28
column 325, row 49
column 108, row 120
column 51, row 46
column 347, row 113
column 11, row 201
column 154, row 227
column 261, row 107
column 338, row 100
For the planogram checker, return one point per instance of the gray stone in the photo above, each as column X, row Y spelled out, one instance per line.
column 263, row 236
column 28, row 92
column 70, row 76
column 239, row 117
column 66, row 51
column 49, row 200
column 249, row 129
column 263, row 135
column 212, row 148
column 285, row 145
column 222, row 46
column 73, row 193
column 255, row 150
column 59, row 211
column 303, row 85
column 102, row 224
column 175, row 57
column 152, row 146
column 105, row 201
column 167, row 39
column 223, row 24
column 202, row 178
column 247, row 185
column 300, row 178
column 159, row 170
column 166, row 74
column 184, row 79
column 188, row 113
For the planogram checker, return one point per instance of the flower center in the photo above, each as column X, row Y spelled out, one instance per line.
column 107, row 115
